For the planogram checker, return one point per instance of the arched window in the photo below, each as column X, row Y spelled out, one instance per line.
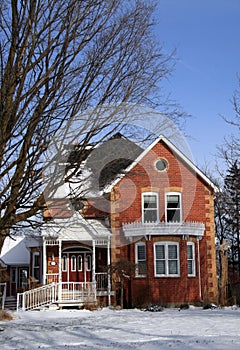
column 73, row 263
column 64, row 263
column 79, row 263
column 89, row 263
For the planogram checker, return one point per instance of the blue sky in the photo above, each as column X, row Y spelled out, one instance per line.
column 206, row 36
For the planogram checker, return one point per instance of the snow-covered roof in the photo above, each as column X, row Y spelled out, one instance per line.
column 15, row 252
column 76, row 228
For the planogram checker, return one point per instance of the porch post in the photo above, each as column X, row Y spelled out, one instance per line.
column 94, row 267
column 109, row 277
column 44, row 262
column 59, row 269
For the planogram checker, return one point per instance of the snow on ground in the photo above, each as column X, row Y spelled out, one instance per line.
column 103, row 329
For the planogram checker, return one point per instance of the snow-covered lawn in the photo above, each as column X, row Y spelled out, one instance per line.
column 194, row 328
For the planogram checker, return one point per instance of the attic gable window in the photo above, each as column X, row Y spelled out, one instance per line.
column 173, row 207
column 150, row 212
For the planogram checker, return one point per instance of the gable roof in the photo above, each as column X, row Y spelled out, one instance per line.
column 175, row 151
column 14, row 251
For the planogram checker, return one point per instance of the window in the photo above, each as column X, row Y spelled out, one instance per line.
column 191, row 259
column 79, row 263
column 64, row 263
column 36, row 266
column 140, row 259
column 89, row 263
column 73, row 263
column 13, row 275
column 166, row 259
column 161, row 164
column 150, row 207
column 173, row 207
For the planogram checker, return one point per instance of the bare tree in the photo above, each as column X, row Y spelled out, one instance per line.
column 57, row 59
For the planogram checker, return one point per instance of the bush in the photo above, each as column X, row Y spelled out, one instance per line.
column 209, row 306
column 184, row 307
column 5, row 316
column 154, row 308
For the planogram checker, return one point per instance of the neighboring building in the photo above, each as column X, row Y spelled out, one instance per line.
column 154, row 209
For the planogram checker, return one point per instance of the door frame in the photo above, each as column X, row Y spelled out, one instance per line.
column 74, row 250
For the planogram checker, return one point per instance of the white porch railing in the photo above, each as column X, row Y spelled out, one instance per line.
column 64, row 292
column 3, row 287
column 34, row 298
column 76, row 291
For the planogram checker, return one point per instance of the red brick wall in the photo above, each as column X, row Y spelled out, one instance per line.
column 197, row 205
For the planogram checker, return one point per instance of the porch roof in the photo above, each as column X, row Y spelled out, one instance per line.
column 76, row 228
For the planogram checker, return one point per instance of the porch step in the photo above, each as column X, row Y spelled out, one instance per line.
column 10, row 303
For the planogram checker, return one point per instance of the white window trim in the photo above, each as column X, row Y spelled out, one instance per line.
column 34, row 267
column 192, row 244
column 165, row 244
column 137, row 274
column 150, row 194
column 166, row 210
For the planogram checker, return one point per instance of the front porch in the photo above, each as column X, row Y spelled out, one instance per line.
column 63, row 294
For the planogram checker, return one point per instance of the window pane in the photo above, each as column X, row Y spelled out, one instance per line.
column 73, row 263
column 150, row 201
column 141, row 252
column 190, row 251
column 79, row 263
column 64, row 263
column 172, row 267
column 150, row 215
column 160, row 267
column 173, row 201
column 36, row 260
column 142, row 268
column 160, row 252
column 172, row 252
column 173, row 215
column 89, row 261
column 190, row 267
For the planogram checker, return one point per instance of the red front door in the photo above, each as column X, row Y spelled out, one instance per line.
column 76, row 266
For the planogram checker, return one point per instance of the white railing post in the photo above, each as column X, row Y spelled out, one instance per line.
column 108, row 272
column 52, row 292
column 23, row 302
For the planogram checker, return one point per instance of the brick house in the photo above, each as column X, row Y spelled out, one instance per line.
column 167, row 228
column 155, row 209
